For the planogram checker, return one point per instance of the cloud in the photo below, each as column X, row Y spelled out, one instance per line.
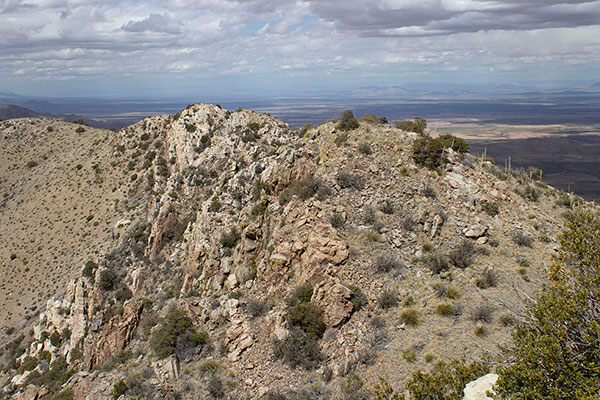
column 355, row 39
column 154, row 23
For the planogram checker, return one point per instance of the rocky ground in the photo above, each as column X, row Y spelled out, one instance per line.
column 221, row 215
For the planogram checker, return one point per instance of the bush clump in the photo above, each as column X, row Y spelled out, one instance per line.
column 306, row 324
column 556, row 349
column 387, row 263
column 446, row 381
column 430, row 153
column 177, row 334
column 348, row 180
column 416, row 125
column 410, row 317
column 347, row 122
column 387, row 299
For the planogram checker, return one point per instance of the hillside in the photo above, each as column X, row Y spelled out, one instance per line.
column 220, row 254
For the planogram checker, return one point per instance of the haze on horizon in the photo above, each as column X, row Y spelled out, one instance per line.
column 159, row 48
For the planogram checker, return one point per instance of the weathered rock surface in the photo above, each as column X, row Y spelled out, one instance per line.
column 477, row 390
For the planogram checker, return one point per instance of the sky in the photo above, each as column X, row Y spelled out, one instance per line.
column 130, row 48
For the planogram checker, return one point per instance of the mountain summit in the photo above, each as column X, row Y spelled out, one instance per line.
column 222, row 254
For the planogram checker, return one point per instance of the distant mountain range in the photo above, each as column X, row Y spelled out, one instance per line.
column 10, row 111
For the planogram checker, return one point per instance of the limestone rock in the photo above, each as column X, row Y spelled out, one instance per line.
column 334, row 299
column 476, row 390
column 167, row 370
column 475, row 231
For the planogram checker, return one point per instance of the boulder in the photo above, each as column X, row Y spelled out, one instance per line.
column 475, row 231
column 334, row 299
column 477, row 389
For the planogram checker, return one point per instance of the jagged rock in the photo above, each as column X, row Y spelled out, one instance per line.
column 475, row 231
column 436, row 225
column 167, row 370
column 115, row 336
column 476, row 390
column 334, row 299
column 239, row 338
column 33, row 393
column 163, row 230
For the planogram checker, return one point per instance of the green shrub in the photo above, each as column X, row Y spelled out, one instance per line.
column 178, row 334
column 347, row 122
column 430, row 153
column 490, row 208
column 358, row 298
column 447, row 309
column 302, row 294
column 55, row 339
column 209, row 367
column 446, row 381
column 298, row 349
column 304, row 188
column 308, row 317
column 409, row 355
column 556, row 349
column 416, row 125
column 107, row 279
column 119, row 389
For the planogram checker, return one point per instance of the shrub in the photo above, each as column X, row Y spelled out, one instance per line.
column 177, row 334
column 336, row 220
column 488, row 279
column 446, row 381
column 429, row 191
column 256, row 308
column 451, row 142
column 447, row 309
column 438, row 262
column 387, row 299
column 490, row 208
column 308, row 317
column 387, row 207
column 209, row 367
column 430, row 153
column 482, row 313
column 304, row 130
column 230, row 239
column 522, row 239
column 410, row 355
column 410, row 317
column 31, row 164
column 417, row 125
column 119, row 389
column 556, row 347
column 358, row 298
column 55, row 339
column 107, row 280
column 304, row 188
column 347, row 122
column 302, row 294
column 387, row 263
column 365, row 148
column 341, row 139
column 462, row 256
column 298, row 349
column 408, row 223
column 480, row 331
column 530, row 193
column 348, row 180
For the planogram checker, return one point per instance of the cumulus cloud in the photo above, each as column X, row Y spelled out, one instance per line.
column 54, row 39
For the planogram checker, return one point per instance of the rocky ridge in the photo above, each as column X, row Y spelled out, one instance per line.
column 230, row 212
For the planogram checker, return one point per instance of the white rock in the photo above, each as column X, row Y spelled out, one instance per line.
column 476, row 390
